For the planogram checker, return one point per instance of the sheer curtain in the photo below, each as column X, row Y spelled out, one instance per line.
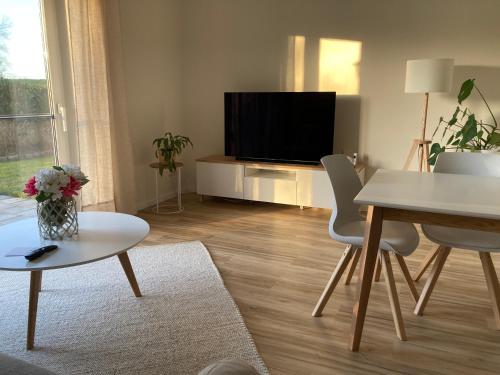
column 105, row 152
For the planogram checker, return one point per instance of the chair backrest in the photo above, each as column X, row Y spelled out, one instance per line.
column 346, row 185
column 471, row 163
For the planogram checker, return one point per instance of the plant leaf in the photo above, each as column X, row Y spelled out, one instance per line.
column 494, row 139
column 469, row 131
column 465, row 90
column 41, row 197
column 480, row 134
column 436, row 149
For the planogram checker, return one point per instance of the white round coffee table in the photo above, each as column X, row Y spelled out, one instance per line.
column 101, row 235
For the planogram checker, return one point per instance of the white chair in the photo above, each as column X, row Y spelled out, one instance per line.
column 474, row 164
column 347, row 226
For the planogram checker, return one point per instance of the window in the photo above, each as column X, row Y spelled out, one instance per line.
column 26, row 125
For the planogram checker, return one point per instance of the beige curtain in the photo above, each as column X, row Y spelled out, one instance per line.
column 103, row 134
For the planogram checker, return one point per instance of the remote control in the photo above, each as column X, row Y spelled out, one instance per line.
column 39, row 252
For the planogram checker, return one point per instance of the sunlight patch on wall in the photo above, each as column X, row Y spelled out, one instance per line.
column 295, row 63
column 339, row 65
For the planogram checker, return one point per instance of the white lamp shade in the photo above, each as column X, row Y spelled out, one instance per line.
column 428, row 75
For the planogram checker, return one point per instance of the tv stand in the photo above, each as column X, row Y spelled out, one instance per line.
column 285, row 183
column 276, row 162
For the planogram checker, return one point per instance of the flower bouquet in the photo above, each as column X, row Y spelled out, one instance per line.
column 54, row 189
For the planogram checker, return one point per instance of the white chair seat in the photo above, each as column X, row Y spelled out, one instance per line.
column 463, row 238
column 399, row 237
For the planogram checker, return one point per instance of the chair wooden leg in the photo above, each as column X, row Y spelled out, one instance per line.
column 378, row 269
column 352, row 266
column 390, row 283
column 407, row 276
column 425, row 264
column 334, row 279
column 441, row 257
column 492, row 283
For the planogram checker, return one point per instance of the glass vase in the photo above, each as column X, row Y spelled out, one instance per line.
column 57, row 219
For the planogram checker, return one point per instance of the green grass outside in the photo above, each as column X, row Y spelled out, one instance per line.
column 15, row 173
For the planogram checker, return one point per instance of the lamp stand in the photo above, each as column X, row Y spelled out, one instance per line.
column 421, row 145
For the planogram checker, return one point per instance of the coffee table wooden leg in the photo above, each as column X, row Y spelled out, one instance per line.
column 40, row 282
column 373, row 230
column 35, row 282
column 127, row 267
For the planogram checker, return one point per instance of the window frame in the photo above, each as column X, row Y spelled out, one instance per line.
column 59, row 80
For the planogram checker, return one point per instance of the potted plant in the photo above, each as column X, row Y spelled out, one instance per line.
column 167, row 148
column 463, row 131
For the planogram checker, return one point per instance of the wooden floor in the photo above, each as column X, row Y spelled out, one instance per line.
column 275, row 261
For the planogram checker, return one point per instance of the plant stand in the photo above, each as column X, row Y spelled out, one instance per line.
column 167, row 208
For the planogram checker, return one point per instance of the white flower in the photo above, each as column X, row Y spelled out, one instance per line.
column 74, row 171
column 50, row 181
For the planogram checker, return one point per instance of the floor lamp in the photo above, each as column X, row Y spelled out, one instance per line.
column 424, row 76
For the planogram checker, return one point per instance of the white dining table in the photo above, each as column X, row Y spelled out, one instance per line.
column 451, row 200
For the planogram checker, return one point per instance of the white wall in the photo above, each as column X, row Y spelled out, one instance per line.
column 152, row 59
column 241, row 45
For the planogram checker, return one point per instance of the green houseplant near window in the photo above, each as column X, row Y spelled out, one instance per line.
column 463, row 131
column 167, row 148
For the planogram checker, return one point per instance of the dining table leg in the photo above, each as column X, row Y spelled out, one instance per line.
column 35, row 283
column 373, row 231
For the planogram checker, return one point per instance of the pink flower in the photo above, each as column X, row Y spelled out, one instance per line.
column 72, row 187
column 29, row 187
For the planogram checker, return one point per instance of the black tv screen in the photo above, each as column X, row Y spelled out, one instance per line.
column 292, row 127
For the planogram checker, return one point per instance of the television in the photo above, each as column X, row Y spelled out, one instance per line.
column 289, row 127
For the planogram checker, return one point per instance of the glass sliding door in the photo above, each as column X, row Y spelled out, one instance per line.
column 26, row 116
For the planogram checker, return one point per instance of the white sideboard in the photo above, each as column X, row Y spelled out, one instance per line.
column 301, row 185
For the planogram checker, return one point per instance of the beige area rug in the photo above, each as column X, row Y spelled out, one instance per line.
column 89, row 321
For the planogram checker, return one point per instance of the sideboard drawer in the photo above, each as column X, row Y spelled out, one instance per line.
column 270, row 190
